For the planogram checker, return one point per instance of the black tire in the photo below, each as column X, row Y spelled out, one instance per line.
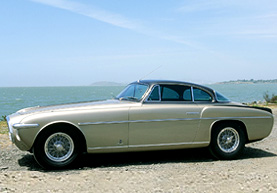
column 227, row 141
column 57, row 148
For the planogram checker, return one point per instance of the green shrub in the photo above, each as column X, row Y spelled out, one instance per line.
column 268, row 99
column 4, row 118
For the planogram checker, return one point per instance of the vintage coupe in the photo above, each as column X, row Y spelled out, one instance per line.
column 146, row 115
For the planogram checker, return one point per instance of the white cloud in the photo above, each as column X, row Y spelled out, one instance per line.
column 92, row 12
column 113, row 19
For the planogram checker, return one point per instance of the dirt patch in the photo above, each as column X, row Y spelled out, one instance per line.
column 166, row 171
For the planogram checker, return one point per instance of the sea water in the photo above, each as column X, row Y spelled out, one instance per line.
column 16, row 98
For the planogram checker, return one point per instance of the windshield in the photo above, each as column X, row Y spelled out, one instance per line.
column 133, row 92
column 221, row 98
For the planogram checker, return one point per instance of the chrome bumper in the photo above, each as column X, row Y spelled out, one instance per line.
column 11, row 134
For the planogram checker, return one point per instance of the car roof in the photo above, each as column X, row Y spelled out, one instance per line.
column 154, row 82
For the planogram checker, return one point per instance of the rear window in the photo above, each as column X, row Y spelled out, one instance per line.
column 221, row 98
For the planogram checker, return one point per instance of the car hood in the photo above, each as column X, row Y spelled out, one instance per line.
column 76, row 106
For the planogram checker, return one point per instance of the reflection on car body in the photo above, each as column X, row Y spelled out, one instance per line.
column 146, row 115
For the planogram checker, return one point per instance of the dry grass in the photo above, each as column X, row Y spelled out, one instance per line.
column 3, row 127
column 4, row 137
column 272, row 105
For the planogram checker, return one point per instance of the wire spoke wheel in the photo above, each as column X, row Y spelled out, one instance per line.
column 59, row 147
column 228, row 140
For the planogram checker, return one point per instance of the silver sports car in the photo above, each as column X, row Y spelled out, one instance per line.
column 146, row 115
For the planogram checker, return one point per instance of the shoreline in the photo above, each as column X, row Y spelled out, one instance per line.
column 251, row 81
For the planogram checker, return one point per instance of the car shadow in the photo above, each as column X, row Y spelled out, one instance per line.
column 29, row 161
column 88, row 161
column 252, row 153
column 144, row 158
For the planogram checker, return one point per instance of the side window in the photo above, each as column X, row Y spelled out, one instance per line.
column 200, row 95
column 155, row 94
column 175, row 93
column 168, row 94
column 187, row 94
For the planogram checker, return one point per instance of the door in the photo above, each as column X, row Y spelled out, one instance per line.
column 167, row 118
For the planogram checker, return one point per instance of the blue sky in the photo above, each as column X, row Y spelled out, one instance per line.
column 78, row 42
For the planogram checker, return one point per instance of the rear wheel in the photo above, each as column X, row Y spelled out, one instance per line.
column 227, row 141
column 56, row 148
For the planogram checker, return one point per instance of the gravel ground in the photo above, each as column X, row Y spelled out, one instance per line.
column 166, row 171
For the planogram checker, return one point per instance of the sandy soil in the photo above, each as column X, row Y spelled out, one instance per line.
column 167, row 171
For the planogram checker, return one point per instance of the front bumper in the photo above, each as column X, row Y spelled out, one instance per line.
column 11, row 133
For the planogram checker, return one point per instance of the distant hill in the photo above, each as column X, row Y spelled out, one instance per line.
column 106, row 83
column 251, row 81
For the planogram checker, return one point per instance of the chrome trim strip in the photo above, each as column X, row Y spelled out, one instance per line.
column 102, row 122
column 169, row 144
column 108, row 147
column 222, row 118
column 133, row 121
column 162, row 120
column 22, row 125
column 149, row 145
column 192, row 95
column 159, row 90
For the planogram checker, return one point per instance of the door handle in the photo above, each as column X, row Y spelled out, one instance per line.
column 193, row 113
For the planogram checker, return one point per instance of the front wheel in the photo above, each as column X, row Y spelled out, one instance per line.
column 56, row 148
column 227, row 141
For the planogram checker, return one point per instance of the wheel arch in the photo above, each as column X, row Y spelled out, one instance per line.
column 239, row 123
column 59, row 124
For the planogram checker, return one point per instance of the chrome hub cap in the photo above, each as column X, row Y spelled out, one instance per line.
column 228, row 140
column 59, row 147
